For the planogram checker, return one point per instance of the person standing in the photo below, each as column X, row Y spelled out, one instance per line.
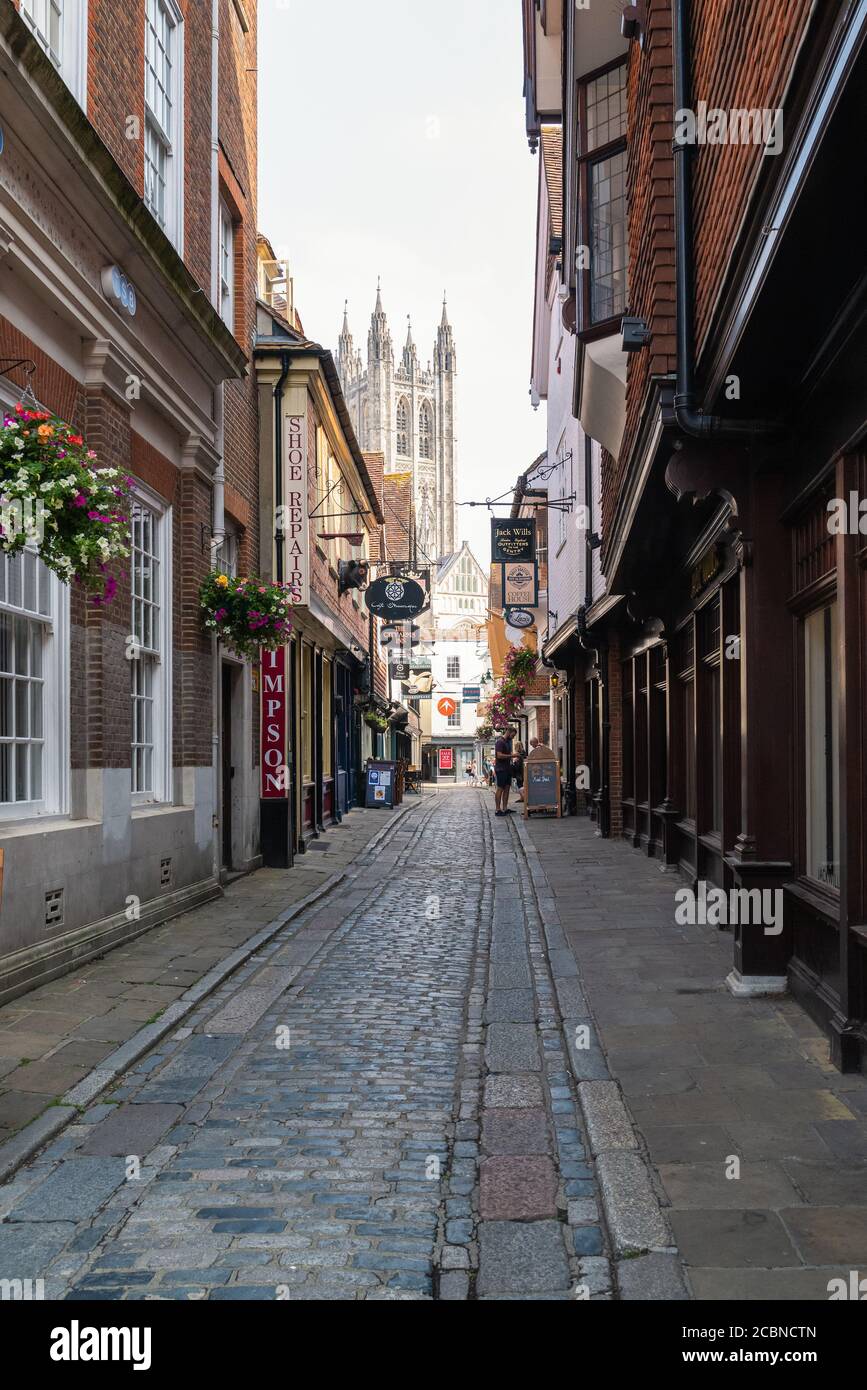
column 503, row 769
column 518, row 759
column 470, row 772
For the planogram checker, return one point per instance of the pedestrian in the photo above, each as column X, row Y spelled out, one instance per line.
column 503, row 765
column 470, row 772
column 518, row 759
column 534, row 744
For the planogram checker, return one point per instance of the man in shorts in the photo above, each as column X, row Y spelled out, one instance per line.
column 503, row 771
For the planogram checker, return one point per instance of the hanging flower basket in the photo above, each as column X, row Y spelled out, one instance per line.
column 520, row 665
column 247, row 614
column 54, row 495
column 375, row 721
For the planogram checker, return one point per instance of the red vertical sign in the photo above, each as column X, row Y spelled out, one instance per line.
column 275, row 774
column 446, row 760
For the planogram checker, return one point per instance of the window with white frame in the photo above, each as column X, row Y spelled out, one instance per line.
column 60, row 27
column 163, row 115
column 455, row 719
column 227, row 267
column 229, row 552
column 150, row 652
column 32, row 688
column 453, row 668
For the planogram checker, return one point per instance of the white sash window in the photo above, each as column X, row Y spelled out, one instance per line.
column 33, row 688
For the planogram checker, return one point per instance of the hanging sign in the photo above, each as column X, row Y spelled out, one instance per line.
column 295, row 520
column 446, row 760
column 447, row 705
column 513, row 540
column 519, row 617
column 520, row 584
column 399, row 670
column 275, row 773
column 394, row 597
column 472, row 694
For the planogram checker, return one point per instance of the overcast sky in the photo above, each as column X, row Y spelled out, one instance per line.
column 392, row 143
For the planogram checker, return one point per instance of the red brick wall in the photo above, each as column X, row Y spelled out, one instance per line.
column 54, row 387
column 115, row 80
column 742, row 58
column 651, row 233
column 103, row 683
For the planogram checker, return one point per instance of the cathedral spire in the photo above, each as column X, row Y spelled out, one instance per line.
column 410, row 356
column 379, row 337
column 444, row 351
column 346, row 355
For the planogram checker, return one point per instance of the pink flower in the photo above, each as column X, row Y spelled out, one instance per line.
column 79, row 500
column 221, row 614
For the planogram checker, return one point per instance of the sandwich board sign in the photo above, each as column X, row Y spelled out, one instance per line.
column 542, row 782
column 380, row 784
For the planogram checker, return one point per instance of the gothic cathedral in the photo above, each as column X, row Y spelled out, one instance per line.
column 408, row 414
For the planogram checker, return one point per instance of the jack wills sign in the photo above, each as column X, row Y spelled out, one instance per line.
column 513, row 540
column 275, row 773
column 296, row 512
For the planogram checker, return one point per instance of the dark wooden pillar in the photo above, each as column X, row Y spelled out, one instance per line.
column 847, row 1021
column 763, row 849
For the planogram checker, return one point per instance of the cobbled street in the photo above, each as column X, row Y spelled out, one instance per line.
column 377, row 1105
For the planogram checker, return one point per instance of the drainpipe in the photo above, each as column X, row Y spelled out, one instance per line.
column 691, row 420
column 218, row 519
column 218, row 529
column 278, row 462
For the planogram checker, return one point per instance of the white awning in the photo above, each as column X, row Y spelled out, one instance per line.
column 602, row 410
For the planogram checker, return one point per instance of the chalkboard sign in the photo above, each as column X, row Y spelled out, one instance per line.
column 541, row 785
column 379, row 788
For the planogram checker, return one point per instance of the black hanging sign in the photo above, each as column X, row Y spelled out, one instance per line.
column 393, row 598
column 513, row 540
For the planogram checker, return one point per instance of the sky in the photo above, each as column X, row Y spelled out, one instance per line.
column 392, row 144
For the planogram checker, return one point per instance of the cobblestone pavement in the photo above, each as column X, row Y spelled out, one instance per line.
column 378, row 1105
column 51, row 1037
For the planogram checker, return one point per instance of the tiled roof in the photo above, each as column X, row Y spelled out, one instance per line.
column 552, row 160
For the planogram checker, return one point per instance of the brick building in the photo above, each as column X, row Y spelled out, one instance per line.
column 715, row 359
column 128, row 159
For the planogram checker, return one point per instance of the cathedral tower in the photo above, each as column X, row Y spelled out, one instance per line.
column 407, row 412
